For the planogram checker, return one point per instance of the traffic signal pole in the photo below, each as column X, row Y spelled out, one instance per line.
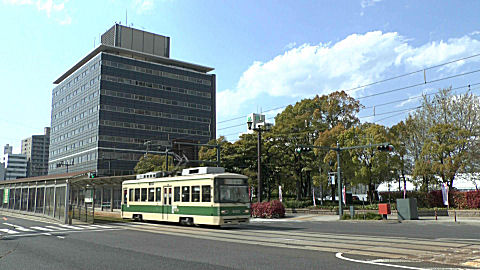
column 340, row 198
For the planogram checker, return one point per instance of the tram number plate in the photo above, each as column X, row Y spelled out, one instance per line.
column 236, row 211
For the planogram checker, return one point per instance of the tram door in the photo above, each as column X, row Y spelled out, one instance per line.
column 167, row 202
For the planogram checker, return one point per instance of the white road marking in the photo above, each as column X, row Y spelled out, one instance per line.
column 70, row 227
column 339, row 256
column 101, row 226
column 61, row 237
column 20, row 228
column 41, row 229
column 57, row 228
column 8, row 231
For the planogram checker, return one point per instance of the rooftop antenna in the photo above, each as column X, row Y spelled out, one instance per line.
column 126, row 17
column 94, row 42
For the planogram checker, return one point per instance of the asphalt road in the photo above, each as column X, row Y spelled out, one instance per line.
column 33, row 244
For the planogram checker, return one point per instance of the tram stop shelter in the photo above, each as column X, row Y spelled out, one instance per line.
column 62, row 196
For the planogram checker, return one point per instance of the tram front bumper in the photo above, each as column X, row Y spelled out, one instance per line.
column 234, row 220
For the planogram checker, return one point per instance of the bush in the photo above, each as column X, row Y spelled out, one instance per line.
column 298, row 204
column 273, row 209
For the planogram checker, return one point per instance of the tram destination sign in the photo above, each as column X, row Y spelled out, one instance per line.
column 6, row 195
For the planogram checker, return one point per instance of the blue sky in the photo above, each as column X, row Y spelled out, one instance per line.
column 266, row 54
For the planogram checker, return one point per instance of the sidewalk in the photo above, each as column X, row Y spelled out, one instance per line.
column 391, row 218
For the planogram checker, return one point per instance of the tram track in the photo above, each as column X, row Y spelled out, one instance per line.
column 448, row 251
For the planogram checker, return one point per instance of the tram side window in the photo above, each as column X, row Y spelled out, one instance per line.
column 206, row 196
column 185, row 194
column 151, row 194
column 130, row 198
column 195, row 193
column 144, row 194
column 159, row 194
column 125, row 196
column 176, row 194
column 137, row 194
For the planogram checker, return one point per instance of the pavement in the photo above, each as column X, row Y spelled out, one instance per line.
column 390, row 218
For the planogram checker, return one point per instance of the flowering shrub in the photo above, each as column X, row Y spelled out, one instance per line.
column 273, row 209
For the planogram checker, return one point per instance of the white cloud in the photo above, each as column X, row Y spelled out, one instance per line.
column 48, row 6
column 320, row 69
column 290, row 45
column 66, row 20
column 18, row 2
column 143, row 6
column 433, row 53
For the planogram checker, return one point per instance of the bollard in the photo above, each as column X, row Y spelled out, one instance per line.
column 352, row 211
column 436, row 218
column 455, row 214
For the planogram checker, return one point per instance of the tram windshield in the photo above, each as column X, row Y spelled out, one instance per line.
column 231, row 191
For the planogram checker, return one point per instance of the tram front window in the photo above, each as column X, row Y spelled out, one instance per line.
column 232, row 191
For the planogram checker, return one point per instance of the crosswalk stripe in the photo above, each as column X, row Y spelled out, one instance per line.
column 20, row 228
column 56, row 228
column 70, row 227
column 101, row 226
column 8, row 231
column 41, row 229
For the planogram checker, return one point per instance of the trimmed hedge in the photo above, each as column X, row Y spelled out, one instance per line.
column 432, row 199
column 272, row 209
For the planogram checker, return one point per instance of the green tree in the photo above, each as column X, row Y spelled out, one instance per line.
column 450, row 124
column 401, row 163
column 151, row 163
column 371, row 166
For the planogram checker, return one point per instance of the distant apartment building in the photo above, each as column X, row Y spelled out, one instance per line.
column 15, row 164
column 35, row 148
column 2, row 171
column 7, row 149
column 125, row 96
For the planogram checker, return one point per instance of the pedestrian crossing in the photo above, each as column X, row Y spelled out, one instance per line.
column 13, row 229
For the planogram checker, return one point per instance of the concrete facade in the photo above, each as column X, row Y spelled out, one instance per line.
column 123, row 95
column 35, row 148
column 15, row 166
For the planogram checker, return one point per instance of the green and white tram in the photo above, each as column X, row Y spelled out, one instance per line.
column 204, row 195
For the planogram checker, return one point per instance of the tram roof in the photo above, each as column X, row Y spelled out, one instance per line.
column 184, row 178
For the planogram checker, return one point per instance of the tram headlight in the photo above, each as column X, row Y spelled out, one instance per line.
column 246, row 211
column 224, row 212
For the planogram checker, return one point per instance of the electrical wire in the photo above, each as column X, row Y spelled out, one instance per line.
column 389, row 79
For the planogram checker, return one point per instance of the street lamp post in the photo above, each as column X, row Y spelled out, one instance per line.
column 258, row 128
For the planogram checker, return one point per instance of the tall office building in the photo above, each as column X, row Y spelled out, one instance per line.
column 36, row 150
column 124, row 96
column 15, row 165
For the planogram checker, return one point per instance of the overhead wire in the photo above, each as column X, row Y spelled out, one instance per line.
column 390, row 79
